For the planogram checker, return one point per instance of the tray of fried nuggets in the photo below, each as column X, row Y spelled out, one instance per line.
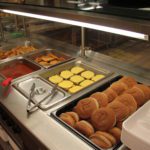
column 75, row 75
column 97, row 116
column 16, row 51
column 20, row 47
column 48, row 58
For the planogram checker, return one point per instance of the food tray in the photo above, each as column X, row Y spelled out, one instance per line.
column 78, row 62
column 15, row 72
column 136, row 129
column 25, row 85
column 34, row 42
column 57, row 53
column 68, row 107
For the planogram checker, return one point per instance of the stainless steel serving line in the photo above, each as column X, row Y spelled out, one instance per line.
column 46, row 131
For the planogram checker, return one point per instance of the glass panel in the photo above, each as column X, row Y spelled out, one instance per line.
column 128, row 8
column 124, row 49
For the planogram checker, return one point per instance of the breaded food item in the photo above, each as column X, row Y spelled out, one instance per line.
column 47, row 58
column 116, row 132
column 76, row 79
column 103, row 119
column 111, row 94
column 110, row 137
column 67, row 119
column 75, row 89
column 66, row 74
column 98, row 77
column 74, row 116
column 53, row 62
column 138, row 95
column 86, row 83
column 129, row 101
column 38, row 59
column 52, row 56
column 121, row 111
column 87, row 74
column 61, row 59
column 86, row 107
column 129, row 81
column 101, row 141
column 119, row 87
column 43, row 63
column 84, row 127
column 101, row 98
column 55, row 79
column 65, row 84
column 77, row 70
column 145, row 89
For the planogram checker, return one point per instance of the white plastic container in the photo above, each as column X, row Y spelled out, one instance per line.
column 136, row 129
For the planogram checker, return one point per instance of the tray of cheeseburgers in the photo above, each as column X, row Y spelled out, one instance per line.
column 97, row 116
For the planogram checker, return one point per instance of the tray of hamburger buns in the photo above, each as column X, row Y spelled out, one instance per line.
column 48, row 58
column 97, row 116
column 75, row 75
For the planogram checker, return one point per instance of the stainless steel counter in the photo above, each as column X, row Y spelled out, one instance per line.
column 46, row 129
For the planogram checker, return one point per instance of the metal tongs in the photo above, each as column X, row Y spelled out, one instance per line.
column 32, row 93
column 52, row 93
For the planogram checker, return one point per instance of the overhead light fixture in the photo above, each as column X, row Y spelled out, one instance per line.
column 74, row 2
column 88, row 8
column 91, row 7
column 81, row 24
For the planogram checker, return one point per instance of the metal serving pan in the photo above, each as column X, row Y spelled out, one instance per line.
column 69, row 106
column 12, row 65
column 36, row 54
column 77, row 62
column 21, row 42
column 25, row 85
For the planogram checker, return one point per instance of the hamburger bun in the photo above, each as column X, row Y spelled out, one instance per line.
column 108, row 136
column 116, row 132
column 129, row 81
column 67, row 119
column 145, row 89
column 111, row 94
column 129, row 101
column 101, row 98
column 84, row 127
column 101, row 141
column 137, row 94
column 121, row 111
column 74, row 116
column 103, row 119
column 119, row 87
column 86, row 107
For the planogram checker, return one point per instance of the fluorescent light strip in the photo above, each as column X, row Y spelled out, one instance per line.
column 81, row 24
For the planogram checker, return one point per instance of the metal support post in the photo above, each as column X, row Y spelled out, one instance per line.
column 82, row 49
column 16, row 23
column 2, row 30
column 26, row 31
column 24, row 27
